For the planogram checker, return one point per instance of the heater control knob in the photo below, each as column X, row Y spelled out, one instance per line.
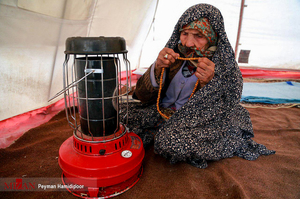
column 102, row 152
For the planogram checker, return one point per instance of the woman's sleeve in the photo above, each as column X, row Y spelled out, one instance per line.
column 144, row 90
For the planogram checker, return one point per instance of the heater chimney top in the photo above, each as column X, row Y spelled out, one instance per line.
column 95, row 45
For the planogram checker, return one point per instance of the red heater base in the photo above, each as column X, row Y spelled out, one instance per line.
column 102, row 168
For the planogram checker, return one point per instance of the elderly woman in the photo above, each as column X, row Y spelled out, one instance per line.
column 199, row 98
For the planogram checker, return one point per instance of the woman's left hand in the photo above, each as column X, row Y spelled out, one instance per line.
column 205, row 70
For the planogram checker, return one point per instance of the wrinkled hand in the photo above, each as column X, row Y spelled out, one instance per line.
column 205, row 70
column 162, row 61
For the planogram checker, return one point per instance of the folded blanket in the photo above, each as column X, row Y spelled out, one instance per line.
column 271, row 93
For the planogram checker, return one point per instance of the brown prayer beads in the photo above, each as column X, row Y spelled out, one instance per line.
column 192, row 58
column 160, row 88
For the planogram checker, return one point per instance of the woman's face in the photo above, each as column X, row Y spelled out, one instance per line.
column 193, row 38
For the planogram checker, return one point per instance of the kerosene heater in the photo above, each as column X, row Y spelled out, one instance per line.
column 103, row 158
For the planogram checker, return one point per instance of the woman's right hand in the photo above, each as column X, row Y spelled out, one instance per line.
column 165, row 58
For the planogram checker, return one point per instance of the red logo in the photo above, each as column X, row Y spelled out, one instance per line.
column 19, row 185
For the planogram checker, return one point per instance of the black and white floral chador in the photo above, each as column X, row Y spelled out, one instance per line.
column 212, row 125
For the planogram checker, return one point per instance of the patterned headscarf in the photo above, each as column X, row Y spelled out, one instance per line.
column 204, row 27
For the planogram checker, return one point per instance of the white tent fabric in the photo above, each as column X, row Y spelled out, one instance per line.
column 32, row 44
column 270, row 30
column 33, row 35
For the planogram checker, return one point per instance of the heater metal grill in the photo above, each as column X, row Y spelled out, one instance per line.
column 93, row 83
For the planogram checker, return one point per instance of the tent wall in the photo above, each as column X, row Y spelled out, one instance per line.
column 29, row 44
column 33, row 35
column 271, row 29
column 32, row 43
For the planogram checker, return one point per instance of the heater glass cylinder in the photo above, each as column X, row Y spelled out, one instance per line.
column 96, row 99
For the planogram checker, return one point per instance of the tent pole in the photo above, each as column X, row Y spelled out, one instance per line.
column 239, row 28
column 92, row 18
column 57, row 45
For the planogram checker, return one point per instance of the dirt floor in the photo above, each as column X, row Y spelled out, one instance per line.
column 35, row 155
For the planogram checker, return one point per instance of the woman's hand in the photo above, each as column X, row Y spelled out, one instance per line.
column 205, row 70
column 165, row 58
